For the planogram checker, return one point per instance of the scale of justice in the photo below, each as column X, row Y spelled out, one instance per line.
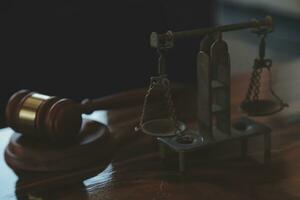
column 213, row 94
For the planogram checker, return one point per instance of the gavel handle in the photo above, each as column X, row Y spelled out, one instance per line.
column 120, row 100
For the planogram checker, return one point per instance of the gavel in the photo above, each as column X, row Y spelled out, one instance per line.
column 59, row 119
column 55, row 118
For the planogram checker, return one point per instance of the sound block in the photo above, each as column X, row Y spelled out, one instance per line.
column 93, row 145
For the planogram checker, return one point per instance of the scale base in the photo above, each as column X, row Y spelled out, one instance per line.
column 241, row 130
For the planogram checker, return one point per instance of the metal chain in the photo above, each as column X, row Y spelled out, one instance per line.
column 161, row 80
column 144, row 106
column 254, row 86
column 169, row 102
column 171, row 109
column 259, row 64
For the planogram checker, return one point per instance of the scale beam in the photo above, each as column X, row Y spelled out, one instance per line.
column 167, row 39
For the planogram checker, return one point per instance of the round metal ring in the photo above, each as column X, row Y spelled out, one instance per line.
column 162, row 127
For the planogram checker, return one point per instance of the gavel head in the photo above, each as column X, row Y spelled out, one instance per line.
column 43, row 116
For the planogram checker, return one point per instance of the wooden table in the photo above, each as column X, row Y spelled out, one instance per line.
column 136, row 171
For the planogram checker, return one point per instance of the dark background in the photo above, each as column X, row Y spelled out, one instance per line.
column 79, row 49
column 87, row 49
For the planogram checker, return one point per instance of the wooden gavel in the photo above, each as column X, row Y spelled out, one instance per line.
column 55, row 118
column 59, row 119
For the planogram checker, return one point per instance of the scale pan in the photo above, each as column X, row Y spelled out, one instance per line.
column 261, row 107
column 162, row 127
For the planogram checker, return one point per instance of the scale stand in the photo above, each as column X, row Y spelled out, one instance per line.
column 214, row 83
column 242, row 130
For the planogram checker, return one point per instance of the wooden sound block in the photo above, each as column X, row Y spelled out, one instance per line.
column 93, row 145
